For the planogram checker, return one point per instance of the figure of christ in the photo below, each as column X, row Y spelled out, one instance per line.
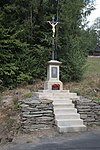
column 53, row 27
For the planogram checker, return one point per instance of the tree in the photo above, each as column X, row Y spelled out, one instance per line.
column 74, row 47
column 9, row 49
column 26, row 38
column 96, row 28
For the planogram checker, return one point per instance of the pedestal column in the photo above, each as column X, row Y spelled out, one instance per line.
column 53, row 81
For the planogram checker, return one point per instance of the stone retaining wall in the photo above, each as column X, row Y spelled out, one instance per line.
column 36, row 114
column 39, row 114
column 89, row 111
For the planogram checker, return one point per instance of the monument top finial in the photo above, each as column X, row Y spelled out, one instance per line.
column 53, row 19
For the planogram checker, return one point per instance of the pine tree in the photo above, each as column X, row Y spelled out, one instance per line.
column 25, row 39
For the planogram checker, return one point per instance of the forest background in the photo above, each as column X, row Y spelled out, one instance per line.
column 26, row 37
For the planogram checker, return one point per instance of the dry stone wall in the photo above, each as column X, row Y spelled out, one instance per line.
column 39, row 114
column 89, row 112
column 36, row 114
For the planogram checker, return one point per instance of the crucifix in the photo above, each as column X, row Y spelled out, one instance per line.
column 53, row 23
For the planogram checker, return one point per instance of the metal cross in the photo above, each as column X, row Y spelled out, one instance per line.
column 53, row 24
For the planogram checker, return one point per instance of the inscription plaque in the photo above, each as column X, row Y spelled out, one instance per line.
column 54, row 72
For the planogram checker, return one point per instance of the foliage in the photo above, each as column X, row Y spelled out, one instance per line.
column 25, row 39
column 74, row 40
column 96, row 28
column 96, row 99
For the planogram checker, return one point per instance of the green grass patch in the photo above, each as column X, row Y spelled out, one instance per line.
column 27, row 95
column 93, row 66
column 96, row 99
column 89, row 86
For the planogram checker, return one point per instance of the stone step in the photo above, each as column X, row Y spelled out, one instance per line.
column 60, row 98
column 64, row 111
column 63, row 105
column 71, row 128
column 61, row 102
column 65, row 99
column 67, row 116
column 59, row 95
column 69, row 122
column 53, row 91
column 64, row 94
column 55, row 97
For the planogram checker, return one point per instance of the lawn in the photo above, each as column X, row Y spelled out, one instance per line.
column 89, row 86
column 93, row 66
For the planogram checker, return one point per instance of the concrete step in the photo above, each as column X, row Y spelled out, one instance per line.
column 57, row 94
column 46, row 96
column 69, row 122
column 53, row 91
column 63, row 105
column 60, row 98
column 71, row 128
column 57, row 102
column 64, row 111
column 67, row 116
column 54, row 97
column 64, row 94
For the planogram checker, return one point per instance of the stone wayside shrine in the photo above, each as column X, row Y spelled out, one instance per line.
column 65, row 114
column 53, row 82
column 53, row 105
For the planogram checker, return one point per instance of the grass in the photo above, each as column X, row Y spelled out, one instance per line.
column 93, row 66
column 27, row 95
column 89, row 86
column 96, row 99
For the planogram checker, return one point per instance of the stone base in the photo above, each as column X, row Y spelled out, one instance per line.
column 48, row 85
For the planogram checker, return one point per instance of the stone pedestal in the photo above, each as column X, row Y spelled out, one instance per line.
column 53, row 82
